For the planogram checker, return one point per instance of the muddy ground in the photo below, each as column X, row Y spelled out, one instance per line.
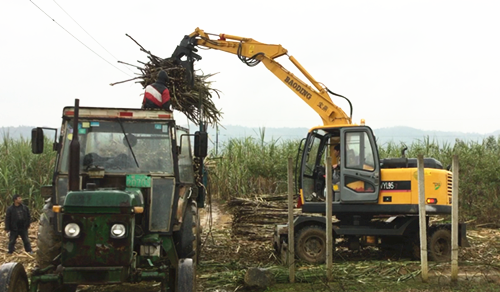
column 225, row 257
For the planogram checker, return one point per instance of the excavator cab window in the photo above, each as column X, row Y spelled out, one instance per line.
column 359, row 153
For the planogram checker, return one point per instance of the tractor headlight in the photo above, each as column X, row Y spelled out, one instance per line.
column 118, row 231
column 72, row 230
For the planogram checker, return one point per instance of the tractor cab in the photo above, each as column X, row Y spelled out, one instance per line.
column 122, row 206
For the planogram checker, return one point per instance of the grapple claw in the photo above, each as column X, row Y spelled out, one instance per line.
column 185, row 55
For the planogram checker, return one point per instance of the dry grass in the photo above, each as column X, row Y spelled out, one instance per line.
column 235, row 244
column 226, row 256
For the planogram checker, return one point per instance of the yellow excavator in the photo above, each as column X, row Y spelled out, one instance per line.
column 375, row 200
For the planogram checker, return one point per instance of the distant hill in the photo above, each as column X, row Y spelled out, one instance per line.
column 406, row 135
column 397, row 135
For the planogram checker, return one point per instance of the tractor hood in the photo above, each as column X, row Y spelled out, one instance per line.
column 105, row 201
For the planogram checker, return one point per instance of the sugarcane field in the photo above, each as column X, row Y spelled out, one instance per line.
column 197, row 161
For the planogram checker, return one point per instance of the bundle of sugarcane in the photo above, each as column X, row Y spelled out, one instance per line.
column 256, row 218
column 195, row 102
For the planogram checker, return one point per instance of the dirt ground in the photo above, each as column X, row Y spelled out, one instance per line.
column 225, row 257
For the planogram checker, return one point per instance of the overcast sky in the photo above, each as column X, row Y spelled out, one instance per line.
column 431, row 65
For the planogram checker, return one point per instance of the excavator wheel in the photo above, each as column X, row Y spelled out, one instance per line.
column 440, row 245
column 310, row 244
column 13, row 278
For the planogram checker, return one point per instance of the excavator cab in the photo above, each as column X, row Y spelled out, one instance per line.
column 357, row 179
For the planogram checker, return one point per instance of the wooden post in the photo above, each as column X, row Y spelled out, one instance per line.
column 454, row 220
column 422, row 217
column 328, row 212
column 291, row 242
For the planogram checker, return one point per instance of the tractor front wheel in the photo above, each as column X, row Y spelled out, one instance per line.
column 186, row 276
column 13, row 278
column 182, row 279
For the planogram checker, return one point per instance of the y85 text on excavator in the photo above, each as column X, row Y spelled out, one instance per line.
column 375, row 201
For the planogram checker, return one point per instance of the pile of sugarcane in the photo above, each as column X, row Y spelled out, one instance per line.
column 256, row 219
column 195, row 102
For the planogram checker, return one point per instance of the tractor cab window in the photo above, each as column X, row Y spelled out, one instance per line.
column 121, row 146
column 186, row 171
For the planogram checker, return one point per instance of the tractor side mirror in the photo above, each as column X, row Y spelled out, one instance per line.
column 37, row 140
column 200, row 144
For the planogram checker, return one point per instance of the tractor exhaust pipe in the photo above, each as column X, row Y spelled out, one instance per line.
column 74, row 153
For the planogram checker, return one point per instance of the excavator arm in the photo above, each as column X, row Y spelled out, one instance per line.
column 252, row 52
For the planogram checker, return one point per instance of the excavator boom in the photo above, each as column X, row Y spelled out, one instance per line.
column 252, row 52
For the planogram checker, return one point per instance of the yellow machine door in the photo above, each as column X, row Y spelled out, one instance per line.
column 359, row 166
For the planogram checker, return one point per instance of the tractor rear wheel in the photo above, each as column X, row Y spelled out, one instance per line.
column 48, row 241
column 13, row 278
column 310, row 244
column 49, row 246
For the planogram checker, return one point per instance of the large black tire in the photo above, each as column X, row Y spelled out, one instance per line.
column 13, row 278
column 182, row 279
column 187, row 238
column 310, row 244
column 48, row 241
column 187, row 245
column 440, row 245
column 186, row 276
column 198, row 239
column 49, row 247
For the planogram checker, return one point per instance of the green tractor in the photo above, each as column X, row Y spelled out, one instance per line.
column 123, row 204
